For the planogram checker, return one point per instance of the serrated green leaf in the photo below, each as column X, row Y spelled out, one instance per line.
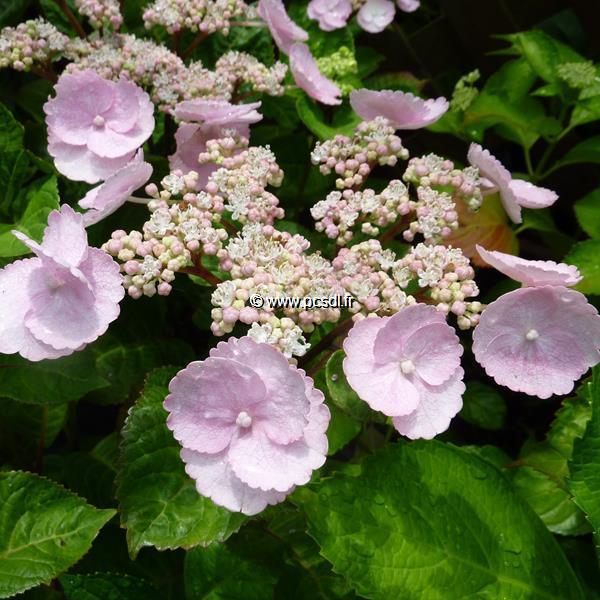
column 584, row 479
column 429, row 520
column 44, row 529
column 483, row 406
column 586, row 111
column 312, row 116
column 106, row 586
column 587, row 151
column 512, row 80
column 586, row 257
column 158, row 501
column 587, row 210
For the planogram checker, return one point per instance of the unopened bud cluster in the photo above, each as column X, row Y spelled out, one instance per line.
column 101, row 13
column 353, row 158
column 282, row 333
column 206, row 16
column 341, row 211
column 242, row 69
column 32, row 43
column 339, row 67
column 448, row 275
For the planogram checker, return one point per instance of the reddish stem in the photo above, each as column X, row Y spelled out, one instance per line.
column 202, row 35
column 72, row 18
column 202, row 271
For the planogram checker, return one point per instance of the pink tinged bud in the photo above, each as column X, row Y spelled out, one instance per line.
column 216, row 329
column 211, row 187
column 131, row 267
column 372, row 303
column 210, row 249
column 248, row 315
column 446, row 231
column 193, row 246
column 230, row 315
column 458, row 308
column 164, row 289
column 134, row 292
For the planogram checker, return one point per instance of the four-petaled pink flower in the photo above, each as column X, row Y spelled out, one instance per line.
column 96, row 126
column 408, row 367
column 308, row 77
column 203, row 120
column 402, row 109
column 105, row 199
column 375, row 15
column 531, row 272
column 538, row 340
column 283, row 30
column 62, row 299
column 251, row 426
column 331, row 14
column 409, row 5
column 514, row 193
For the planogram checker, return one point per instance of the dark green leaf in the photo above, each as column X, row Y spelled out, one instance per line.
column 483, row 406
column 587, row 151
column 106, row 586
column 158, row 501
column 44, row 529
column 586, row 257
column 587, row 210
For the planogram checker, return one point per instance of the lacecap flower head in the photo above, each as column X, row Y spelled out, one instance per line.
column 62, row 299
column 408, row 367
column 330, row 14
column 251, row 426
column 96, row 126
column 375, row 15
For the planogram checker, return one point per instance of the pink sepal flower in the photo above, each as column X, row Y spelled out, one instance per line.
column 538, row 340
column 218, row 112
column 95, row 124
column 408, row 5
column 331, row 14
column 307, row 76
column 531, row 273
column 514, row 193
column 252, row 426
column 283, row 30
column 109, row 196
column 61, row 300
column 408, row 367
column 402, row 109
column 375, row 15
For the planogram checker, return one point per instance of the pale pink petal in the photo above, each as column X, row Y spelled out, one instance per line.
column 402, row 109
column 215, row 480
column 532, row 196
column 331, row 14
column 65, row 238
column 283, row 30
column 375, row 15
column 408, row 5
column 437, row 406
column 218, row 112
column 263, row 464
column 308, row 77
column 124, row 111
column 531, row 272
column 538, row 340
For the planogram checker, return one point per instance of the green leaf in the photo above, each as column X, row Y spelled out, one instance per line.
column 342, row 395
column 125, row 366
column 429, row 520
column 41, row 200
column 158, row 501
column 12, row 11
column 483, row 406
column 44, row 529
column 584, row 479
column 219, row 573
column 586, row 111
column 512, row 80
column 586, row 257
column 587, row 151
column 106, row 586
column 49, row 381
column 587, row 210
column 312, row 116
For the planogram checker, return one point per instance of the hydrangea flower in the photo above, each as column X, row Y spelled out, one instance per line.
column 514, row 193
column 531, row 273
column 538, row 340
column 375, row 15
column 96, row 126
column 283, row 30
column 307, row 76
column 331, row 14
column 402, row 109
column 408, row 5
column 408, row 367
column 251, row 426
column 108, row 197
column 62, row 299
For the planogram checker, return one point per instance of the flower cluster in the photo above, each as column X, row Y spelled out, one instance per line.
column 339, row 66
column 32, row 43
column 101, row 13
column 206, row 16
column 182, row 227
column 448, row 275
column 341, row 211
column 251, row 426
column 578, row 75
column 352, row 158
column 465, row 91
column 272, row 264
column 373, row 15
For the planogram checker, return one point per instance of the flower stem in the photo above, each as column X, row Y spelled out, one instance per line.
column 136, row 200
column 325, row 342
column 72, row 18
column 202, row 35
column 201, row 271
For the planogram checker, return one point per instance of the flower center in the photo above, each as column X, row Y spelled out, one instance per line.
column 243, row 420
column 407, row 366
column 99, row 121
column 532, row 335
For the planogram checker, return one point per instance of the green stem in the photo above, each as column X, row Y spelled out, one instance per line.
column 530, row 170
column 326, row 341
